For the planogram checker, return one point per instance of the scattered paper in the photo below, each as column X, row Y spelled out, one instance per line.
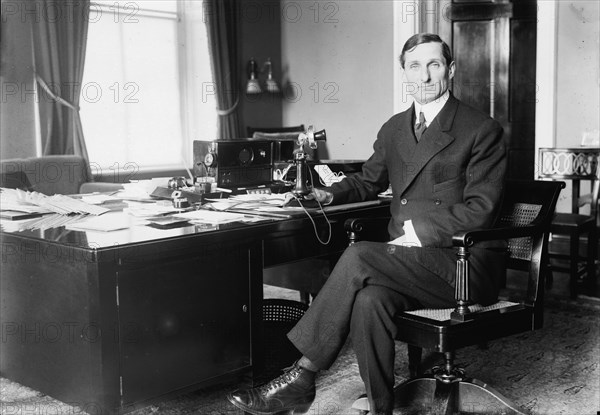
column 209, row 216
column 14, row 199
column 104, row 223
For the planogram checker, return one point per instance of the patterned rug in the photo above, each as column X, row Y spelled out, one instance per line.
column 555, row 370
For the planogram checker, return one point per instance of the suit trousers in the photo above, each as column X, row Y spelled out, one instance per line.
column 371, row 283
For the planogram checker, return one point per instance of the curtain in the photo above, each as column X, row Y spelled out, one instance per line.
column 221, row 25
column 59, row 43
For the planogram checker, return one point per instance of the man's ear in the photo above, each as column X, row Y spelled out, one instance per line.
column 451, row 70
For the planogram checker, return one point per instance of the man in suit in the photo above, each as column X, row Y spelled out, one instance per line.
column 446, row 163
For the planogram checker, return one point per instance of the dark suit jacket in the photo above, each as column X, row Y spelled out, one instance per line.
column 450, row 180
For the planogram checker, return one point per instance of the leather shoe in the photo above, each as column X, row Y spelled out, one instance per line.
column 291, row 393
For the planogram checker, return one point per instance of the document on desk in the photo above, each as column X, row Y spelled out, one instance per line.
column 147, row 210
column 21, row 200
column 251, row 201
column 106, row 223
column 211, row 216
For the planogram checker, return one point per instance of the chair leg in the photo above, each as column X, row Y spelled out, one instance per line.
column 414, row 360
column 573, row 265
column 468, row 395
column 592, row 250
column 549, row 276
column 304, row 297
column 448, row 391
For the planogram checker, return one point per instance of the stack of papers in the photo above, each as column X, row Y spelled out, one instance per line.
column 256, row 202
column 99, row 198
column 146, row 210
column 106, row 223
column 34, row 202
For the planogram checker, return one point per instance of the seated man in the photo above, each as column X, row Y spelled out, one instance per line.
column 446, row 163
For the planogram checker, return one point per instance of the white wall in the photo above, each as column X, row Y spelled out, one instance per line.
column 568, row 77
column 17, row 119
column 578, row 71
column 338, row 58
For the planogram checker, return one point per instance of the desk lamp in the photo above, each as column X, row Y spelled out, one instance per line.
column 309, row 137
column 253, row 86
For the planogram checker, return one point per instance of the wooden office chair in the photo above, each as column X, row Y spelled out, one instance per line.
column 526, row 213
column 577, row 165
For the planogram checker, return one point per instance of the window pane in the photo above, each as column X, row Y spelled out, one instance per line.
column 130, row 99
column 132, row 5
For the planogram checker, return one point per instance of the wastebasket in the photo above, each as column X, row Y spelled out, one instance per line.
column 279, row 317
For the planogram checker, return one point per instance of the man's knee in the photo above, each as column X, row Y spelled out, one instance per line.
column 355, row 251
column 373, row 312
column 371, row 299
column 356, row 255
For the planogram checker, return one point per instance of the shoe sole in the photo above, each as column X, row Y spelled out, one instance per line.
column 297, row 411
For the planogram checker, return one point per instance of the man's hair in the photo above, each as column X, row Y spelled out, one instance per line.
column 420, row 38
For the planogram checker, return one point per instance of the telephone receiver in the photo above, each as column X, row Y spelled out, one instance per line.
column 309, row 137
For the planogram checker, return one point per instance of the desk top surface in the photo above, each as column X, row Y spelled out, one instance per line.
column 127, row 230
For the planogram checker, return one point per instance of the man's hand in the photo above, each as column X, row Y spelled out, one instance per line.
column 321, row 196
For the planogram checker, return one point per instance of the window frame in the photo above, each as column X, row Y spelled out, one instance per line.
column 187, row 96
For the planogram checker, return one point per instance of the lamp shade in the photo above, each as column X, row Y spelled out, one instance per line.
column 253, row 86
column 271, row 83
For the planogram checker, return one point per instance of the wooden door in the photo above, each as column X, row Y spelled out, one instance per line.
column 494, row 47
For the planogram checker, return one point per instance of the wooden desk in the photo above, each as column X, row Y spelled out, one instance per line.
column 111, row 321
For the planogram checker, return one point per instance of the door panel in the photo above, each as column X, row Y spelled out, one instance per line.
column 472, row 79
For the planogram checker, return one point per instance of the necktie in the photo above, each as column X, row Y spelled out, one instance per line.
column 420, row 127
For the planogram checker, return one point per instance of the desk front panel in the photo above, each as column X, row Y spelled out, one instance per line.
column 184, row 319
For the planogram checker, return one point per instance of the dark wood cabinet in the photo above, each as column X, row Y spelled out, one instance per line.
column 111, row 330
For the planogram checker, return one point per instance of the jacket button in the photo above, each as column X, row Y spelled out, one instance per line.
column 437, row 202
column 403, row 201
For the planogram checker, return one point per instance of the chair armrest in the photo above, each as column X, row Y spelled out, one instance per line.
column 463, row 240
column 367, row 228
column 469, row 238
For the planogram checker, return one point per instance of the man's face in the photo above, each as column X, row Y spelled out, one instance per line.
column 426, row 72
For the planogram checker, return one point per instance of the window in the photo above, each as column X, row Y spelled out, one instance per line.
column 142, row 104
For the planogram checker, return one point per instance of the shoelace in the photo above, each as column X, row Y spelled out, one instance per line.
column 290, row 373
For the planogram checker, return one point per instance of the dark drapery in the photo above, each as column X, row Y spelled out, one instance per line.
column 221, row 24
column 59, row 43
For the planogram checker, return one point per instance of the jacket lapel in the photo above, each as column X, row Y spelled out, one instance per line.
column 434, row 140
column 406, row 143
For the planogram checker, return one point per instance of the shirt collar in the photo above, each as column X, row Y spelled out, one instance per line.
column 431, row 109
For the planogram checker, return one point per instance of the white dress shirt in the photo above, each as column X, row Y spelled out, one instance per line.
column 431, row 109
